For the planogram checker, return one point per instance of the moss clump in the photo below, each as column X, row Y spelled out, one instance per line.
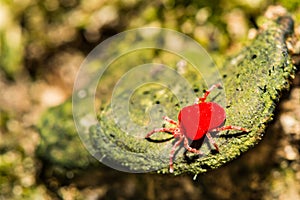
column 59, row 142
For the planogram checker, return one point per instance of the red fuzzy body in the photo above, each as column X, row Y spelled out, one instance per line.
column 198, row 119
column 195, row 122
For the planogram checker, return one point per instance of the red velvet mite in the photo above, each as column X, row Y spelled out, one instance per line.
column 195, row 122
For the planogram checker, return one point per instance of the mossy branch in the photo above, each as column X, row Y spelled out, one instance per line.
column 253, row 80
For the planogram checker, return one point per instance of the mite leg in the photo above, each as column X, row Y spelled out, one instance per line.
column 212, row 141
column 172, row 154
column 190, row 149
column 230, row 127
column 207, row 92
column 170, row 130
column 171, row 121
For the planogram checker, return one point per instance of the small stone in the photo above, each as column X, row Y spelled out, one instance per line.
column 290, row 153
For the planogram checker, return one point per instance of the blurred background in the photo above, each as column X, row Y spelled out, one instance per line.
column 43, row 43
